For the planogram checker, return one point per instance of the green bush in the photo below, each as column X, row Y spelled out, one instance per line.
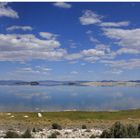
column 53, row 135
column 56, row 126
column 87, row 130
column 131, row 131
column 57, row 133
column 138, row 131
column 92, row 136
column 84, row 127
column 11, row 134
column 27, row 134
column 118, row 130
column 34, row 130
column 105, row 134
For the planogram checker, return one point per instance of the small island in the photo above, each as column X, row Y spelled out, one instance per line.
column 34, row 83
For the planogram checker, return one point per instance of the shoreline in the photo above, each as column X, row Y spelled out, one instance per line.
column 70, row 121
column 69, row 118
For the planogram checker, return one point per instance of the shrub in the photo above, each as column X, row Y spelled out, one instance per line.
column 10, row 134
column 57, row 133
column 53, row 135
column 138, row 131
column 118, row 130
column 87, row 130
column 34, row 130
column 27, row 134
column 75, row 129
column 92, row 136
column 84, row 127
column 105, row 134
column 131, row 131
column 56, row 126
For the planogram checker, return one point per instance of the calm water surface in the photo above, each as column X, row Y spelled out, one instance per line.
column 56, row 98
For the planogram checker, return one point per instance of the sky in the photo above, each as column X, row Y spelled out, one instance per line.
column 69, row 41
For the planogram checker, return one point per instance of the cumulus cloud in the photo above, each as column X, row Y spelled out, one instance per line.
column 100, row 51
column 128, row 39
column 17, row 47
column 103, row 47
column 23, row 47
column 122, row 64
column 48, row 35
column 73, row 56
column 93, row 52
column 93, row 39
column 6, row 11
column 36, row 70
column 62, row 5
column 15, row 27
column 74, row 72
column 27, row 70
column 114, row 24
column 89, row 17
column 114, row 71
column 127, row 51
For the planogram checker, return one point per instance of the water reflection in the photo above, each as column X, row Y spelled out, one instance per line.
column 34, row 98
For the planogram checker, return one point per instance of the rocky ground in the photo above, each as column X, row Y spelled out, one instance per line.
column 64, row 133
column 68, row 133
column 71, row 122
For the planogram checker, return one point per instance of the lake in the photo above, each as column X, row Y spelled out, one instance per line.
column 56, row 98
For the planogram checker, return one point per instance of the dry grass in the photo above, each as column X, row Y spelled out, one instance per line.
column 70, row 118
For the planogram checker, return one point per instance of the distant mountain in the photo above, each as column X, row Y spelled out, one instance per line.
column 53, row 83
column 137, row 81
column 10, row 82
column 107, row 81
column 17, row 82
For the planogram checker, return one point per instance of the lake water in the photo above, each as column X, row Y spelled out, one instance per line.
column 56, row 98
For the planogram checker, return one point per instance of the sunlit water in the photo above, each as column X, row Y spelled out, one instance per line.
column 56, row 98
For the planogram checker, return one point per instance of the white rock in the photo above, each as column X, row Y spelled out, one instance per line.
column 39, row 115
column 8, row 114
column 26, row 116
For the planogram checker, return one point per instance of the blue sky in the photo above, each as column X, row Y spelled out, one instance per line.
column 69, row 41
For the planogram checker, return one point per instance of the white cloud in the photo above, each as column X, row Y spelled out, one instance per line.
column 62, row 5
column 46, row 69
column 48, row 35
column 74, row 72
column 93, row 52
column 114, row 71
column 100, row 51
column 91, row 59
column 6, row 11
column 127, row 51
column 36, row 70
column 17, row 47
column 93, row 39
column 128, row 39
column 89, row 32
column 122, row 64
column 73, row 56
column 114, row 24
column 103, row 47
column 89, row 17
column 27, row 70
column 15, row 27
